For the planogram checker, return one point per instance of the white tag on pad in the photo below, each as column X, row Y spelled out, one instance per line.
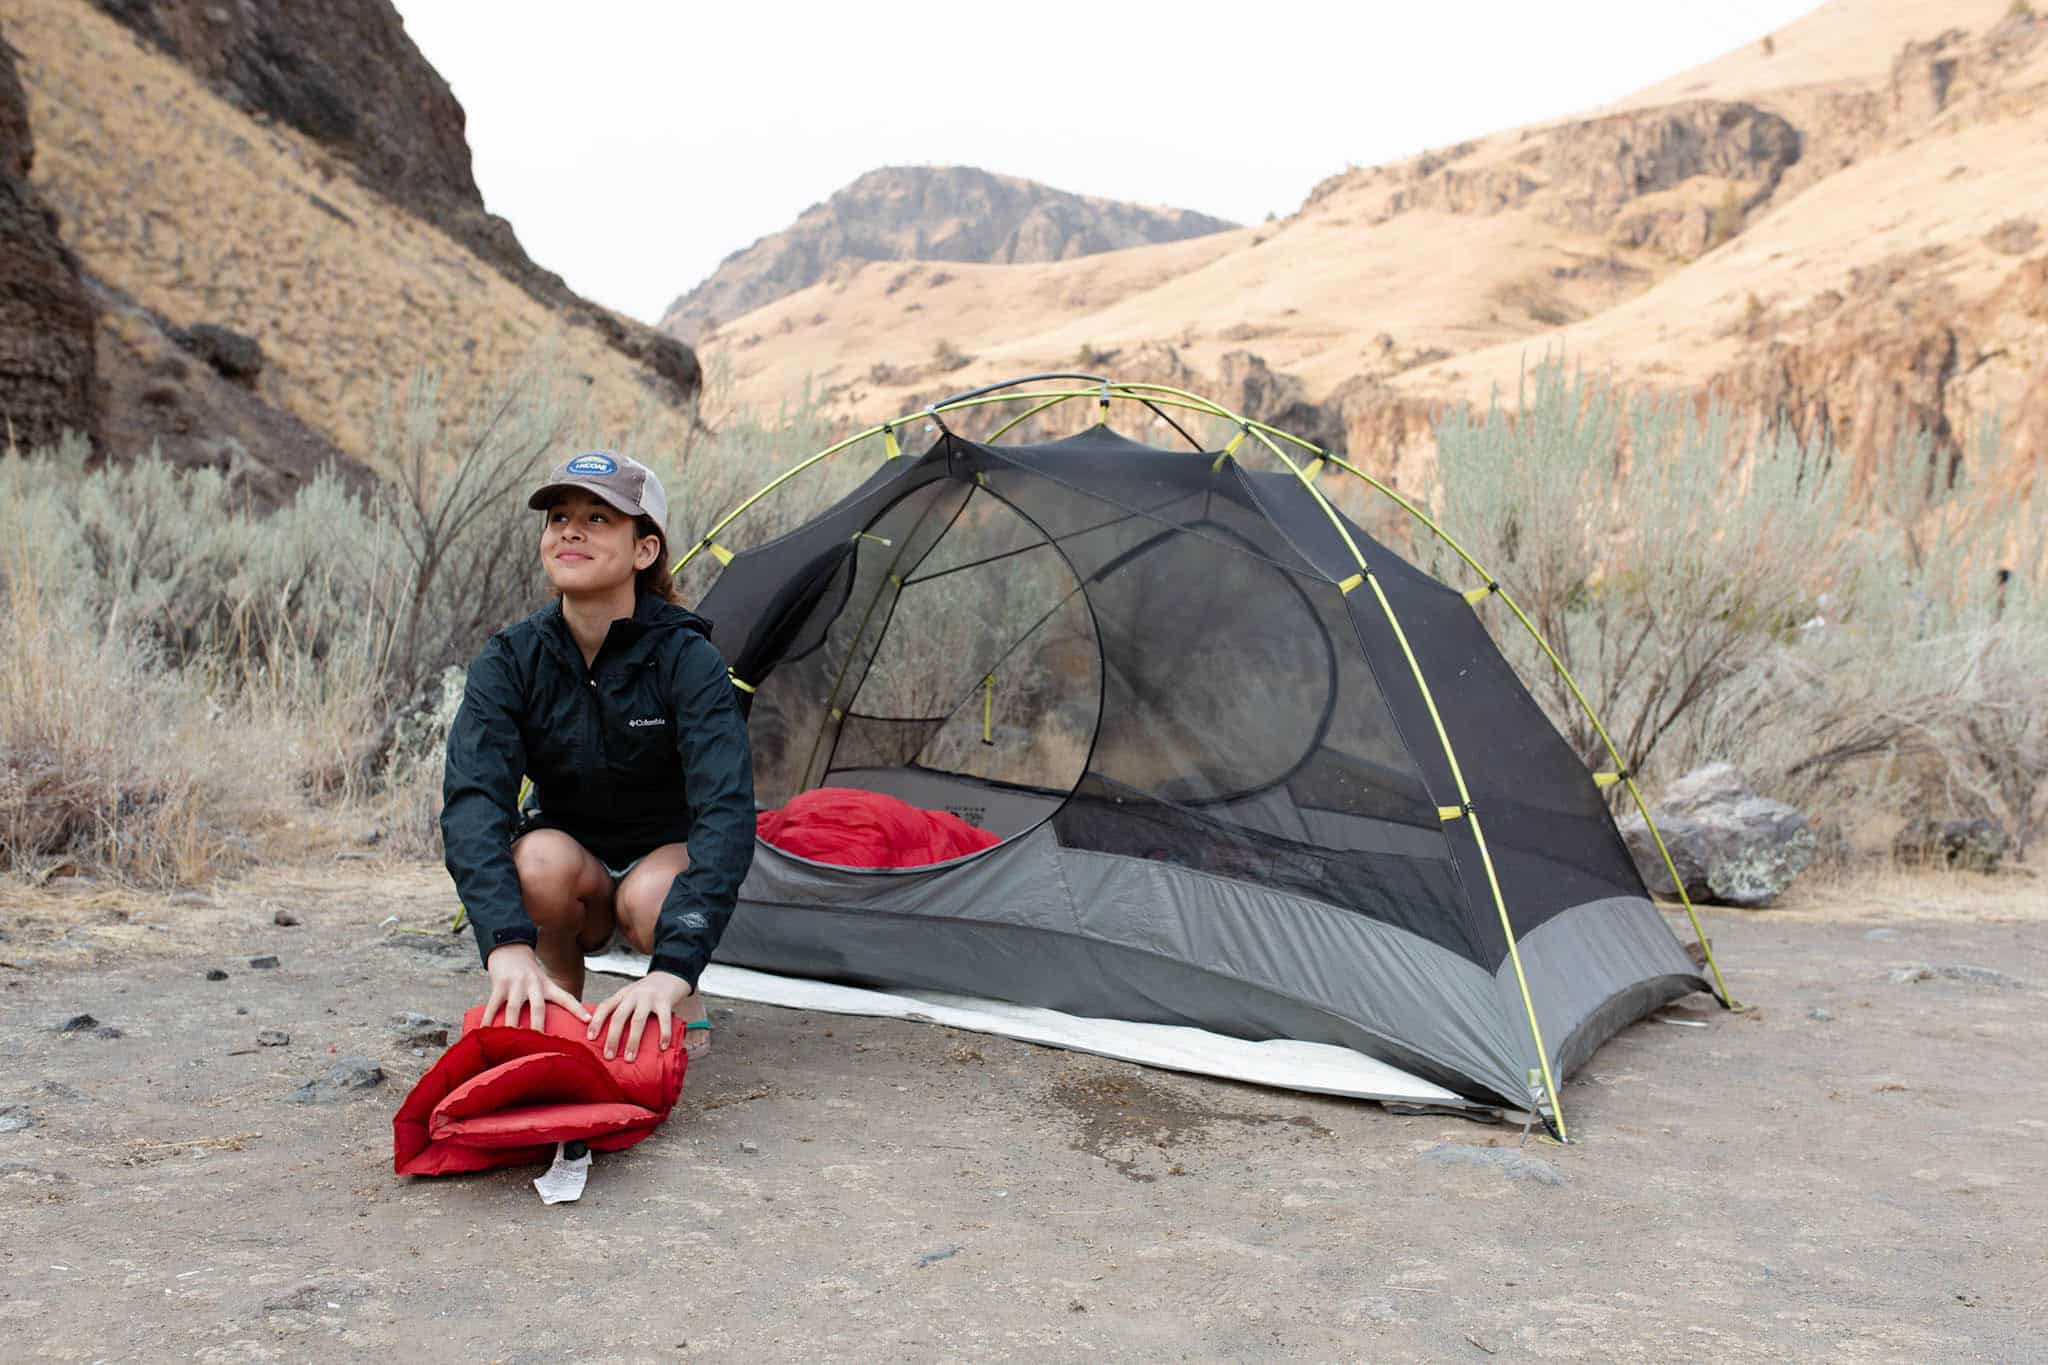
column 564, row 1180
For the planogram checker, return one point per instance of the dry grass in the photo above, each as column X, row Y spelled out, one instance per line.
column 104, row 759
column 199, row 213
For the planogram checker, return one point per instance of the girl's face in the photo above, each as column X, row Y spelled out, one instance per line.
column 589, row 547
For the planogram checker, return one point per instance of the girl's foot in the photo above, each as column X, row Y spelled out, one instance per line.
column 696, row 1040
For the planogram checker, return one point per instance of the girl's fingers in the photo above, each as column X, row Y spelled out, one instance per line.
column 568, row 1002
column 611, row 1037
column 597, row 1018
column 661, row 1012
column 639, row 1027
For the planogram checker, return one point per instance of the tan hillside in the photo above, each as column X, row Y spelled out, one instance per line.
column 925, row 213
column 1850, row 231
column 189, row 211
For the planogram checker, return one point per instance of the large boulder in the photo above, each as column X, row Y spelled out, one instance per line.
column 1731, row 846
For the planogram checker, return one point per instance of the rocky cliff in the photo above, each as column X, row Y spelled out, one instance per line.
column 276, row 224
column 46, row 320
column 345, row 74
column 925, row 213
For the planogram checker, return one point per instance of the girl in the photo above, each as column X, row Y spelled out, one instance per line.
column 614, row 701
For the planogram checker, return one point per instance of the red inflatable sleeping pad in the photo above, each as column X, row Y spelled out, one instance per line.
column 505, row 1096
column 847, row 827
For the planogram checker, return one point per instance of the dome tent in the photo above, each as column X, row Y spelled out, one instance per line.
column 1251, row 771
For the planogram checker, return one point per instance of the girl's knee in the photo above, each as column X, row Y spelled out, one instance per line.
column 550, row 867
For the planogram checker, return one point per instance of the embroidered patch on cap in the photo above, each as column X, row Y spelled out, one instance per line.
column 593, row 464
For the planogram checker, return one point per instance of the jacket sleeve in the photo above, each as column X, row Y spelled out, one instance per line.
column 479, row 801
column 718, row 783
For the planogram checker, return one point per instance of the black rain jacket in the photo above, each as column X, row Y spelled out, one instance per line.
column 642, row 748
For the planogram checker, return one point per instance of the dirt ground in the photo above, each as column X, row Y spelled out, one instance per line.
column 1848, row 1171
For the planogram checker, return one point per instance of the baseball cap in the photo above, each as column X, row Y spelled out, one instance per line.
column 623, row 482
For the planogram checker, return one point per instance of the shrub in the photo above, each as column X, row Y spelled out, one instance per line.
column 1727, row 219
column 177, row 672
column 1726, row 594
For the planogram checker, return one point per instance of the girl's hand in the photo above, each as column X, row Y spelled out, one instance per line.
column 518, row 981
column 657, row 993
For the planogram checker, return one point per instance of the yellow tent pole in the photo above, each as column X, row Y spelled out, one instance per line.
column 1024, row 417
column 1572, row 684
column 1464, row 808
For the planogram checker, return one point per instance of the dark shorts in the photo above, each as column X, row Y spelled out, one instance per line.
column 615, row 861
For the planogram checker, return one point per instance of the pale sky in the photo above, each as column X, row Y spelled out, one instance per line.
column 635, row 143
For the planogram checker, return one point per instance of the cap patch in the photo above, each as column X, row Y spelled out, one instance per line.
column 593, row 464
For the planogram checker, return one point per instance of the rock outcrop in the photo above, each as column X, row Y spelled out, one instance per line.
column 1586, row 176
column 46, row 320
column 191, row 395
column 346, row 74
column 925, row 213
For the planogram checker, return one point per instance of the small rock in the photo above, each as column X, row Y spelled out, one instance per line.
column 234, row 356
column 20, row 1172
column 190, row 898
column 416, row 1030
column 241, row 1009
column 1881, row 935
column 106, row 1031
column 15, row 1117
column 61, row 1091
column 347, row 1078
column 942, row 1254
column 78, row 1023
column 285, row 919
column 1509, row 1161
column 419, row 1052
column 1970, row 845
column 1980, row 976
column 273, row 1037
column 751, row 1148
column 263, row 963
column 312, row 1297
column 1975, row 976
column 215, row 974
column 1820, row 1014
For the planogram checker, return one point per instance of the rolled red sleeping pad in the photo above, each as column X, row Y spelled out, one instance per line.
column 505, row 1096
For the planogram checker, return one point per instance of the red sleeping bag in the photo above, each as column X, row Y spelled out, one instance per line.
column 851, row 828
column 505, row 1096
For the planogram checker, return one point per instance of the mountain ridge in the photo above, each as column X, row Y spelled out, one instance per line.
column 1839, row 233
column 961, row 214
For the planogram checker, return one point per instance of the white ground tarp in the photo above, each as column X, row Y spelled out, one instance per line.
column 1316, row 1067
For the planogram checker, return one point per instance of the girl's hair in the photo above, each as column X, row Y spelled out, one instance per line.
column 655, row 579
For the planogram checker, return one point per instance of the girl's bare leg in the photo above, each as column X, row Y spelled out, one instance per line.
column 639, row 899
column 568, row 895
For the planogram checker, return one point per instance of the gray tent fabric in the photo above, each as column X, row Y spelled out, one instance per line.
column 1224, row 796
